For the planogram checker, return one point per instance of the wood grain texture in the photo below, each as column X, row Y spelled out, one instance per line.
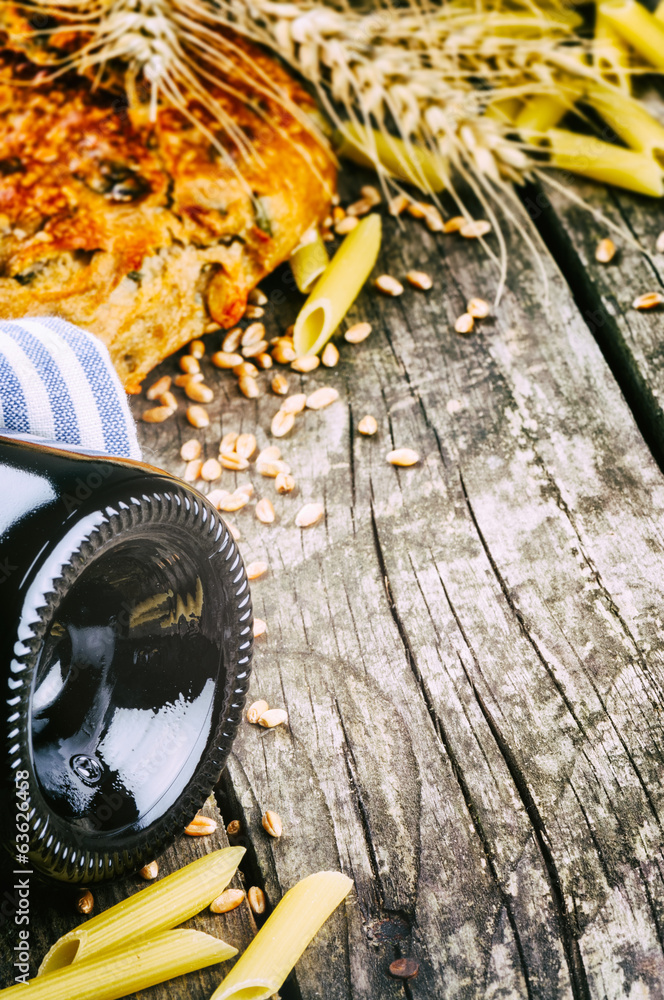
column 471, row 651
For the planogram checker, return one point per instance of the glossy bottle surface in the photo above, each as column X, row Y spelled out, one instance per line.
column 125, row 649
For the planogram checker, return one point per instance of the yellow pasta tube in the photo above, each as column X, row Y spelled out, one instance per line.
column 539, row 114
column 334, row 293
column 158, row 907
column 309, row 260
column 629, row 120
column 611, row 55
column 638, row 27
column 412, row 164
column 590, row 157
column 262, row 968
column 659, row 11
column 118, row 973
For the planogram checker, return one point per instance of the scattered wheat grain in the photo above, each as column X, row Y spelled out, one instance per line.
column 402, row 457
column 200, row 826
column 197, row 416
column 265, row 511
column 464, row 323
column 272, row 823
column 256, row 570
column 273, row 717
column 368, row 425
column 420, row 279
column 255, row 710
column 388, row 285
column 322, row 397
column 162, row 385
column 229, row 900
column 309, row 515
column 282, row 423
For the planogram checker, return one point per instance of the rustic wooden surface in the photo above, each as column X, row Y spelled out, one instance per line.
column 471, row 651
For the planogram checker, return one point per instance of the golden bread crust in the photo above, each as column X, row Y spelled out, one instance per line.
column 140, row 231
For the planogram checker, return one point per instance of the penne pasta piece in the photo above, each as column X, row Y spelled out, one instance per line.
column 590, row 157
column 119, row 973
column 540, row 113
column 629, row 119
column 659, row 11
column 309, row 260
column 262, row 968
column 611, row 55
column 158, row 907
column 505, row 110
column 334, row 293
column 404, row 161
column 638, row 27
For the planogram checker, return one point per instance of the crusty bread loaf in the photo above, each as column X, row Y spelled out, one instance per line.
column 137, row 230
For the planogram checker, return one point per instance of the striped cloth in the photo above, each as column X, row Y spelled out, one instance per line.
column 57, row 383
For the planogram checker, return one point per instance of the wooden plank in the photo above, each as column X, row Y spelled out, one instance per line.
column 631, row 340
column 53, row 913
column 470, row 651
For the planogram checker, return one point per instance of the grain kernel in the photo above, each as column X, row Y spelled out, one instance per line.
column 659, row 245
column 371, row 193
column 211, row 470
column 284, row 483
column 193, row 470
column 233, row 828
column 273, row 717
column 233, row 502
column 367, row 425
column 417, row 209
column 272, row 469
column 162, row 385
column 388, row 285
column 475, row 228
column 224, row 359
column 260, row 628
column 478, row 308
column 464, row 323
column 234, row 462
column 605, row 251
column 190, row 449
column 254, row 350
column 270, row 454
column 197, row 349
column 168, row 399
column 245, row 445
column 227, row 443
column 182, row 381
column 233, row 528
column 257, row 297
column 248, row 387
column 149, row 871
column 256, row 899
column 157, row 414
column 358, row 332
column 294, row 404
column 398, row 204
column 309, row 515
column 85, row 901
column 361, row 207
column 229, row 900
column 197, row 416
column 253, row 334
column 648, row 301
column 454, row 224
column 403, row 457
column 272, row 823
column 282, row 423
column 265, row 511
column 231, row 341
column 419, row 279
column 200, row 826
column 434, row 221
column 246, row 369
column 199, row 392
column 189, row 365
column 255, row 711
column 133, row 389
column 253, row 312
column 322, row 397
column 256, row 569
column 308, row 363
column 283, row 352
column 215, row 497
column 246, row 488
column 279, row 384
column 264, row 360
column 330, row 355
column 346, row 225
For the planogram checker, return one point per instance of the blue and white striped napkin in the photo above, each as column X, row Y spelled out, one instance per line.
column 57, row 384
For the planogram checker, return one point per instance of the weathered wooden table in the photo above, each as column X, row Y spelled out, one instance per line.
column 471, row 651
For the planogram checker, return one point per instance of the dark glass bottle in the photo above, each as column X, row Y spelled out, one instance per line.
column 125, row 651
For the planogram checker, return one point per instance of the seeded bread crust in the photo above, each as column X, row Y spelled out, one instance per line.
column 138, row 230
